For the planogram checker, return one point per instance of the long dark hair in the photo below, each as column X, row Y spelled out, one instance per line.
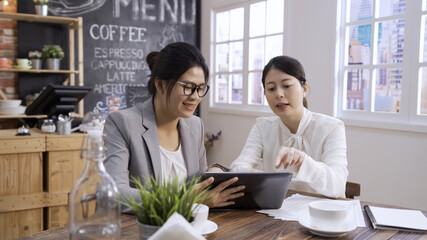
column 288, row 65
column 171, row 62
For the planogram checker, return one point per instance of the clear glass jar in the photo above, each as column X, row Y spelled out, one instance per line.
column 113, row 103
column 94, row 203
column 93, row 121
column 48, row 126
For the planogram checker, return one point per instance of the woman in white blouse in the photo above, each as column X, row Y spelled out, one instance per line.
column 310, row 145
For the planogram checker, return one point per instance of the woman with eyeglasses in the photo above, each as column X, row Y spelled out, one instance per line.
column 161, row 137
column 310, row 145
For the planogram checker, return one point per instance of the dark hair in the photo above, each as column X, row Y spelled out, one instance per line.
column 288, row 65
column 171, row 62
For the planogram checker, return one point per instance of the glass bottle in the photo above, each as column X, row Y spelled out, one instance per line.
column 94, row 204
column 48, row 126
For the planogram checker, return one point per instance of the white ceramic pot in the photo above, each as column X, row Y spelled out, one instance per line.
column 53, row 63
column 41, row 10
column 146, row 231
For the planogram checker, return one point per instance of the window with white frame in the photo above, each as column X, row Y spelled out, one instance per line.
column 383, row 61
column 246, row 36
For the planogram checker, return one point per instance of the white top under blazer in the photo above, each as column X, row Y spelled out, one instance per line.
column 320, row 137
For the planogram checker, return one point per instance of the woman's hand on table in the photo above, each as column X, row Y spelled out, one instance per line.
column 221, row 196
column 289, row 157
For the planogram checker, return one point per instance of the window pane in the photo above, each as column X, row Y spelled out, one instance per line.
column 391, row 7
column 388, row 89
column 423, row 91
column 390, row 41
column 236, row 88
column 273, row 47
column 221, row 88
column 424, row 5
column 275, row 16
column 256, row 54
column 357, row 96
column 236, row 56
column 222, row 26
column 423, row 46
column 257, row 19
column 359, row 44
column 256, row 91
column 359, row 10
column 236, row 23
column 222, row 57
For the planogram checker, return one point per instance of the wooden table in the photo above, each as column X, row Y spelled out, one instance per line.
column 248, row 224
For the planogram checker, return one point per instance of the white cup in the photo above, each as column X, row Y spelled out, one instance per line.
column 327, row 214
column 23, row 62
column 200, row 214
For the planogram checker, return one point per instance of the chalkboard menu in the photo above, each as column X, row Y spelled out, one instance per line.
column 118, row 35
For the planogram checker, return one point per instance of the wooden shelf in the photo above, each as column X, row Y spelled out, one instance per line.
column 75, row 42
column 22, row 116
column 39, row 18
column 38, row 70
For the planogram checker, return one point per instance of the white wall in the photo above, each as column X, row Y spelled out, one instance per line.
column 390, row 165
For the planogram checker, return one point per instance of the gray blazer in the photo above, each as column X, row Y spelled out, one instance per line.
column 133, row 146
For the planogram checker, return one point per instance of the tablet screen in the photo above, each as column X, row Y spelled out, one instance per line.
column 263, row 190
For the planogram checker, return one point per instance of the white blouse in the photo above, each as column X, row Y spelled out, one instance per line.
column 173, row 165
column 320, row 137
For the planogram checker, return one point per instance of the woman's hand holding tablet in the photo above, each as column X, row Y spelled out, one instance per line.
column 221, row 195
column 262, row 190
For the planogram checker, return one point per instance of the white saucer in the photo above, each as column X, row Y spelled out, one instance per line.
column 332, row 232
column 209, row 227
column 22, row 67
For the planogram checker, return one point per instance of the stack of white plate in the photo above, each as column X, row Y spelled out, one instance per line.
column 11, row 107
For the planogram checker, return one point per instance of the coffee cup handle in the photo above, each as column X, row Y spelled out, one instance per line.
column 29, row 63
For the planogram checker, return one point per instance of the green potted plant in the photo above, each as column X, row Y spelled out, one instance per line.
column 41, row 7
column 53, row 54
column 36, row 59
column 160, row 200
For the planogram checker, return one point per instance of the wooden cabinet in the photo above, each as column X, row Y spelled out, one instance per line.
column 75, row 29
column 36, row 174
column 62, row 167
column 21, row 184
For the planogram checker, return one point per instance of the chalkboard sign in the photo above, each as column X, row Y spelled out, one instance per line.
column 135, row 95
column 119, row 34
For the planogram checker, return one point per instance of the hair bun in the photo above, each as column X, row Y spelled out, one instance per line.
column 151, row 59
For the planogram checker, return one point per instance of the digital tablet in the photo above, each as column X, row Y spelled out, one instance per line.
column 263, row 190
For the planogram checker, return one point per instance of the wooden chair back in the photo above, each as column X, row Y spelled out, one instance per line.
column 352, row 190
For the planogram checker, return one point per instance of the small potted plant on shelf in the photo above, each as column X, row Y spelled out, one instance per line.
column 53, row 54
column 41, row 7
column 160, row 200
column 36, row 59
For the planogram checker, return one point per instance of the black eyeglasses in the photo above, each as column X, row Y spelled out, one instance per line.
column 190, row 88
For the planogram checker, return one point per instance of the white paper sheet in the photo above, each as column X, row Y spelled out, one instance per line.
column 295, row 207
